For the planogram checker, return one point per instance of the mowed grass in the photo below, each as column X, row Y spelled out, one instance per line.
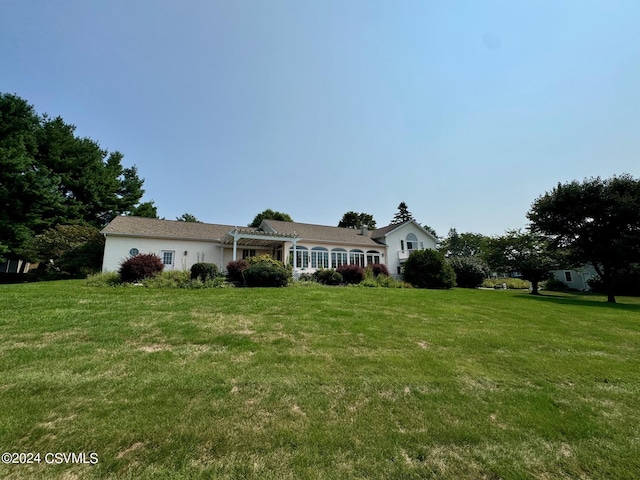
column 319, row 383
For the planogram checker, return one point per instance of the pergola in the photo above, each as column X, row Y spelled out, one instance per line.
column 258, row 238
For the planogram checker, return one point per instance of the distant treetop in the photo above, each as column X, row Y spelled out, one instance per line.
column 357, row 220
column 402, row 215
column 269, row 214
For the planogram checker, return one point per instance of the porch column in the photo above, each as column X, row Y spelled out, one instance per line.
column 295, row 260
column 235, row 247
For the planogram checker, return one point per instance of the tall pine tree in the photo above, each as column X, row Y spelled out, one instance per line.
column 403, row 214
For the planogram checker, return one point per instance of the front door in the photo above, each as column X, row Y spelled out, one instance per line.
column 168, row 259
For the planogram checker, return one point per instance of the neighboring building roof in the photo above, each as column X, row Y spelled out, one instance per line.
column 153, row 227
column 322, row 233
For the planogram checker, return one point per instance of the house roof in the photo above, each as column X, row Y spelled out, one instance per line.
column 323, row 233
column 153, row 227
column 380, row 233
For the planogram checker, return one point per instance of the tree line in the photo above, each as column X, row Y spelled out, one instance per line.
column 57, row 190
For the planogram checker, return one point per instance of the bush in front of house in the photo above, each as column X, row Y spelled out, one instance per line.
column 470, row 271
column 554, row 285
column 511, row 283
column 204, row 271
column 429, row 269
column 235, row 269
column 143, row 265
column 378, row 269
column 266, row 274
column 352, row 274
column 328, row 276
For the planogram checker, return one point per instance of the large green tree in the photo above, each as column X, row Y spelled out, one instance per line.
column 357, row 220
column 463, row 244
column 49, row 176
column 527, row 253
column 596, row 221
column 269, row 214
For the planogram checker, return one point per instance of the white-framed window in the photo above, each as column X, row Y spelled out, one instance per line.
column 402, row 245
column 568, row 277
column 373, row 257
column 356, row 257
column 412, row 242
column 338, row 257
column 302, row 257
column 319, row 257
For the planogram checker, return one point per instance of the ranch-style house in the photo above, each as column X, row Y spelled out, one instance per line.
column 306, row 247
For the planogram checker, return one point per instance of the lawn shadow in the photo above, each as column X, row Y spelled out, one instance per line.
column 583, row 300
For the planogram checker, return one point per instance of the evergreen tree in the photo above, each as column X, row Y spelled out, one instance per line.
column 403, row 214
column 50, row 177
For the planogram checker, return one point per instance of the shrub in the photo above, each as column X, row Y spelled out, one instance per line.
column 264, row 271
column 144, row 265
column 555, row 285
column 108, row 279
column 204, row 271
column 378, row 269
column 266, row 258
column 328, row 276
column 168, row 279
column 266, row 274
column 512, row 283
column 470, row 272
column 351, row 273
column 307, row 277
column 429, row 269
column 235, row 269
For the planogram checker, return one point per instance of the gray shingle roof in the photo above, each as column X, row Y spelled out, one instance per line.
column 153, row 227
column 323, row 233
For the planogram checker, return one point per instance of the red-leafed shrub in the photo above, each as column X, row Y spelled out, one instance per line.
column 351, row 273
column 379, row 269
column 144, row 265
column 235, row 269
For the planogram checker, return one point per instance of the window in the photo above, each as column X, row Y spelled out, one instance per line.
column 338, row 257
column 356, row 257
column 319, row 257
column 568, row 277
column 302, row 257
column 133, row 252
column 248, row 253
column 412, row 242
column 373, row 257
column 402, row 245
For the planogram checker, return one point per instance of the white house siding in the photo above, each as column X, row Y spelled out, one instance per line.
column 576, row 279
column 117, row 250
column 395, row 255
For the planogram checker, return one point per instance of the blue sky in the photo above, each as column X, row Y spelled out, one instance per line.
column 465, row 110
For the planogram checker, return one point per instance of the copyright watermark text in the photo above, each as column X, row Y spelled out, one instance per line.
column 50, row 458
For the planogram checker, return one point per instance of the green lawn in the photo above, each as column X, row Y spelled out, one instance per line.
column 319, row 383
